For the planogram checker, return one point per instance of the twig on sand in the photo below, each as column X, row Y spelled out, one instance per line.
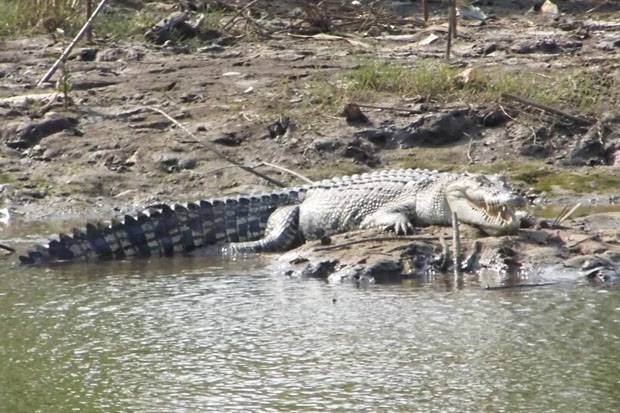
column 210, row 147
column 576, row 119
column 389, row 108
column 68, row 49
column 379, row 239
column 298, row 175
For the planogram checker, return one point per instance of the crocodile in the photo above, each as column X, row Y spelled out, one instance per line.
column 284, row 219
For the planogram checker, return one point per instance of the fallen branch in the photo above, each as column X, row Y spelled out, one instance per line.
column 215, row 151
column 549, row 109
column 7, row 248
column 330, row 37
column 379, row 239
column 68, row 49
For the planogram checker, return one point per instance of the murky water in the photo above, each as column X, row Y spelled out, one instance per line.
column 222, row 336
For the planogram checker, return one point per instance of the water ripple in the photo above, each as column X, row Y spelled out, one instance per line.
column 229, row 337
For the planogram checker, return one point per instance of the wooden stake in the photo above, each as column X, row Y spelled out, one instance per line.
column 450, row 31
column 66, row 52
column 425, row 6
column 456, row 247
column 89, row 10
column 449, row 45
column 453, row 17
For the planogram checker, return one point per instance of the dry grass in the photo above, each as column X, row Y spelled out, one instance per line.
column 24, row 16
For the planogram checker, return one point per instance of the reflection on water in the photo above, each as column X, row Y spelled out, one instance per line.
column 216, row 335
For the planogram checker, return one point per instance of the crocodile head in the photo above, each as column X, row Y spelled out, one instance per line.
column 485, row 201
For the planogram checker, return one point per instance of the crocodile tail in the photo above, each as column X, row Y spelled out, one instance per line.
column 166, row 230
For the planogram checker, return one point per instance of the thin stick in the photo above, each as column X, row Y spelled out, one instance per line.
column 298, row 175
column 89, row 10
column 546, row 108
column 379, row 239
column 239, row 13
column 394, row 109
column 556, row 221
column 469, row 150
column 569, row 213
column 445, row 254
column 593, row 9
column 453, row 17
column 68, row 49
column 506, row 113
column 7, row 248
column 425, row 6
column 215, row 151
column 262, row 29
column 450, row 30
column 456, row 246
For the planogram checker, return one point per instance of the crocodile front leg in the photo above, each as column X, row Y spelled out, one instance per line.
column 388, row 219
column 282, row 234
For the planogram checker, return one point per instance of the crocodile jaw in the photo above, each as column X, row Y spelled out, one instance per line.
column 486, row 205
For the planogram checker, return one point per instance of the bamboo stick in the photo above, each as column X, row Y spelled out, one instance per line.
column 68, row 49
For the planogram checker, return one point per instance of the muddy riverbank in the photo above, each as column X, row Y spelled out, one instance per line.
column 277, row 94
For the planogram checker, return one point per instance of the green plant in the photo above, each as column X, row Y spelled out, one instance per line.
column 572, row 89
column 64, row 84
column 428, row 79
column 121, row 24
column 213, row 20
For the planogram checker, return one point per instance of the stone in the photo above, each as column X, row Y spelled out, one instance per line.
column 535, row 150
column 324, row 144
column 435, row 130
column 28, row 134
column 86, row 54
column 545, row 45
column 51, row 153
column 188, row 163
